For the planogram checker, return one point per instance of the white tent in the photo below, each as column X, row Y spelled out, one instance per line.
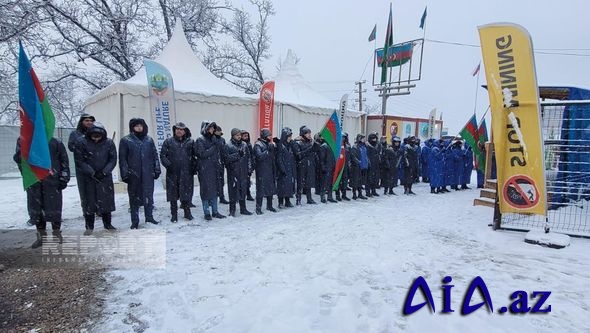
column 199, row 95
column 298, row 104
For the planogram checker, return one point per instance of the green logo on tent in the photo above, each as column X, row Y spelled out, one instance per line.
column 159, row 83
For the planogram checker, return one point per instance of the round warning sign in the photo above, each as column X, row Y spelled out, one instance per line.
column 521, row 192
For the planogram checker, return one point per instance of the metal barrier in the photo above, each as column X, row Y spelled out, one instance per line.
column 8, row 136
column 566, row 134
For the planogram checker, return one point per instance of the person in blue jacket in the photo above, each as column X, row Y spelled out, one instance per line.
column 435, row 167
column 457, row 153
column 425, row 159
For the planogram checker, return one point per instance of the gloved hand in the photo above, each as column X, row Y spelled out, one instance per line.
column 62, row 184
column 100, row 175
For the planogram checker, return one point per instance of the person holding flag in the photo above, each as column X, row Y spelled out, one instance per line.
column 344, row 178
column 41, row 158
column 327, row 164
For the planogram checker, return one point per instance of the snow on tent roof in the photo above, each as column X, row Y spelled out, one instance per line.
column 291, row 87
column 188, row 72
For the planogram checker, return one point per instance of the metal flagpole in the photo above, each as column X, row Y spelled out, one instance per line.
column 476, row 87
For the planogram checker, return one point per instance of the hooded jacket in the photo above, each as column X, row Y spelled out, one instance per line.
column 208, row 152
column 177, row 157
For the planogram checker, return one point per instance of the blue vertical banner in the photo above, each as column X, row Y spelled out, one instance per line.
column 162, row 103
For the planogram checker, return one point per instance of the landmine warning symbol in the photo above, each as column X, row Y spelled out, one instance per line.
column 520, row 191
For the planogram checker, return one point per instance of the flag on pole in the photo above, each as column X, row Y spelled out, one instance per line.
column 469, row 133
column 332, row 135
column 482, row 135
column 37, row 123
column 162, row 101
column 423, row 19
column 373, row 34
column 476, row 70
column 388, row 44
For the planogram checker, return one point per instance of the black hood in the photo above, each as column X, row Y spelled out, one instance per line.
column 359, row 137
column 304, row 130
column 80, row 126
column 285, row 133
column 248, row 140
column 96, row 128
column 205, row 125
column 265, row 133
column 136, row 121
column 372, row 139
column 187, row 131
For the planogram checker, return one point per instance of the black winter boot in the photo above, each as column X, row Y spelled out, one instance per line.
column 232, row 209
column 360, row 195
column 309, row 198
column 106, row 221
column 405, row 189
column 298, row 200
column 217, row 215
column 323, row 198
column 174, row 211
column 243, row 209
column 222, row 200
column 432, row 190
column 374, row 193
column 57, row 234
column 89, row 221
column 258, row 205
column 269, row 206
column 281, row 200
column 39, row 241
column 249, row 196
column 331, row 198
column 354, row 197
column 187, row 213
column 288, row 203
column 151, row 219
column 410, row 190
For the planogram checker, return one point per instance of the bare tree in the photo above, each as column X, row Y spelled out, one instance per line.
column 240, row 62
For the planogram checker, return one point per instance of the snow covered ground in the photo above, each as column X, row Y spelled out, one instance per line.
column 343, row 267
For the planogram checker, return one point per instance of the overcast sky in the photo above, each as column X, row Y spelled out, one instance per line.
column 330, row 38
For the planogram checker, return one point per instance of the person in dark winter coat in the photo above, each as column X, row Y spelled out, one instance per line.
column 139, row 166
column 86, row 121
column 236, row 156
column 457, row 163
column 389, row 164
column 265, row 152
column 373, row 176
column 327, row 163
column 359, row 167
column 221, row 170
column 177, row 157
column 44, row 198
column 467, row 167
column 410, row 163
column 398, row 153
column 306, row 164
column 208, row 151
column 319, row 182
column 286, row 168
column 381, row 148
column 251, row 166
column 96, row 157
column 343, row 187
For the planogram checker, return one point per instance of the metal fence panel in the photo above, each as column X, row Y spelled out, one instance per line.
column 8, row 136
column 566, row 134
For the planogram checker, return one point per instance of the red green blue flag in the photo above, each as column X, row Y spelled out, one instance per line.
column 37, row 124
column 482, row 132
column 332, row 135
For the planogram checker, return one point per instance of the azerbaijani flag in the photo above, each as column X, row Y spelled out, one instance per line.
column 37, row 123
column 396, row 56
column 339, row 168
column 469, row 134
column 482, row 133
column 332, row 135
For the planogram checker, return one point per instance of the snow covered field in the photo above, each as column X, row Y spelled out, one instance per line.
column 343, row 267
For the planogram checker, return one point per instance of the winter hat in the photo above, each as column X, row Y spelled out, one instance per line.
column 265, row 133
column 304, row 130
column 180, row 125
column 235, row 131
column 135, row 121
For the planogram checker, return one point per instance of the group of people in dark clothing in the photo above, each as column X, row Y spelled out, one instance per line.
column 285, row 166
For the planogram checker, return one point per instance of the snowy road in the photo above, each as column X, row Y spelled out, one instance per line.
column 343, row 268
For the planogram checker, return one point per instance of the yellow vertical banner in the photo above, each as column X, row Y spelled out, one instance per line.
column 516, row 119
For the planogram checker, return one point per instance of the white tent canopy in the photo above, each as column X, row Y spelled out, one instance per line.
column 199, row 95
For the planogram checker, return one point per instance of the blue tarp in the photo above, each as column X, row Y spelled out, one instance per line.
column 573, row 176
